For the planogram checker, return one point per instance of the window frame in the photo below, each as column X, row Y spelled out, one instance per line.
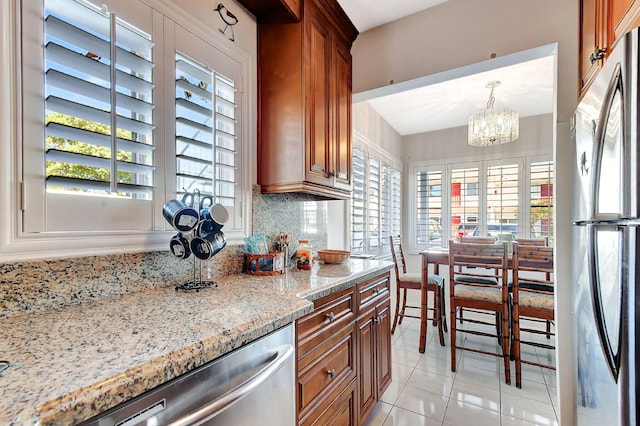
column 15, row 244
column 445, row 167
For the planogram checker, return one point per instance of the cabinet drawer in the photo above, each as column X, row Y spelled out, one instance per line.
column 338, row 410
column 327, row 368
column 372, row 291
column 330, row 314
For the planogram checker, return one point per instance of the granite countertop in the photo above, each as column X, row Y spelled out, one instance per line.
column 71, row 363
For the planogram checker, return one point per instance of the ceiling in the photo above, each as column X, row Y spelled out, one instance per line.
column 448, row 99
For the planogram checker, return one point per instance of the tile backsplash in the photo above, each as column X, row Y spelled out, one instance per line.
column 45, row 284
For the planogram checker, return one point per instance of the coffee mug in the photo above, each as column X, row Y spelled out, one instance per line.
column 180, row 215
column 179, row 245
column 205, row 249
column 217, row 212
column 207, row 228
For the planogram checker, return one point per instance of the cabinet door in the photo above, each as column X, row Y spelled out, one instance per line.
column 317, row 97
column 367, row 325
column 592, row 39
column 383, row 346
column 623, row 16
column 341, row 144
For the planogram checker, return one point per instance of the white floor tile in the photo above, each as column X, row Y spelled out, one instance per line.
column 430, row 381
column 527, row 409
column 435, row 365
column 514, row 421
column 423, row 402
column 405, row 356
column 460, row 413
column 393, row 391
column 477, row 394
column 400, row 372
column 401, row 417
column 379, row 414
column 531, row 390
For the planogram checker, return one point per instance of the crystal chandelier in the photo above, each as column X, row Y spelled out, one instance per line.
column 493, row 126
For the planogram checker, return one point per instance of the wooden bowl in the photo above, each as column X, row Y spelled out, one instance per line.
column 334, row 256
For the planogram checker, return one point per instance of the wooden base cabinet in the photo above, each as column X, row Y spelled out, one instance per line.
column 344, row 355
column 374, row 343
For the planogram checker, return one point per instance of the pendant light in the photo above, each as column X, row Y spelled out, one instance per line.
column 493, row 126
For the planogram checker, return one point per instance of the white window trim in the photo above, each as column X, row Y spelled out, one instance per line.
column 445, row 166
column 17, row 246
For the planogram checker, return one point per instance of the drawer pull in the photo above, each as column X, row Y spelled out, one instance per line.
column 330, row 316
column 378, row 319
column 331, row 373
column 376, row 290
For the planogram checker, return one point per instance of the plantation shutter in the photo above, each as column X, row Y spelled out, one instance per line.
column 205, row 132
column 428, row 207
column 358, row 199
column 541, row 207
column 98, row 101
column 502, row 200
column 465, row 207
column 373, row 203
column 396, row 200
column 385, row 205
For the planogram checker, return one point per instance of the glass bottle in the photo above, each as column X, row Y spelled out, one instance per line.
column 303, row 254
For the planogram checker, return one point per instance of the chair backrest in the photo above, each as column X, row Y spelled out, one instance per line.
column 533, row 242
column 477, row 240
column 537, row 262
column 395, row 243
column 488, row 262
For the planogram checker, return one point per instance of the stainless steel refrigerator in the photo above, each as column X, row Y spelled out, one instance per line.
column 605, row 242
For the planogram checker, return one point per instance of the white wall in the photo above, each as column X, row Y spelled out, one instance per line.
column 536, row 138
column 458, row 33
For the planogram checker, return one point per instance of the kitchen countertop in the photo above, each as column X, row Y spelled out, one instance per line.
column 71, row 363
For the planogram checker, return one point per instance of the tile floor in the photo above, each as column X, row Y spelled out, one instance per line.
column 424, row 391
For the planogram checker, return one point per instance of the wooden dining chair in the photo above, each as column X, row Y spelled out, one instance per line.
column 477, row 240
column 472, row 240
column 413, row 281
column 532, row 241
column 532, row 297
column 484, row 290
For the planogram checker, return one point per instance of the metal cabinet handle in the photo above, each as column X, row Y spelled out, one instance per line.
column 596, row 55
column 376, row 290
column 330, row 316
column 234, row 395
column 331, row 373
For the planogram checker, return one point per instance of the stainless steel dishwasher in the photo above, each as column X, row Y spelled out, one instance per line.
column 252, row 385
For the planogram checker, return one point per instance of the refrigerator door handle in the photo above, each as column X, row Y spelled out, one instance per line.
column 610, row 110
column 612, row 356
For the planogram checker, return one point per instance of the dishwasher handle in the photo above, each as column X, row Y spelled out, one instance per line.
column 217, row 406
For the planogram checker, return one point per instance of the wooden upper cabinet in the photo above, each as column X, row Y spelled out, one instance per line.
column 623, row 15
column 593, row 41
column 602, row 24
column 274, row 10
column 304, row 101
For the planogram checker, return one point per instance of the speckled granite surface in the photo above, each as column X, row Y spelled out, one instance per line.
column 71, row 363
column 27, row 287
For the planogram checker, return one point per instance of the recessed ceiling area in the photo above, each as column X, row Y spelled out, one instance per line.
column 526, row 86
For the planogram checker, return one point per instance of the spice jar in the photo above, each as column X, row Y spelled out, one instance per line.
column 303, row 254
